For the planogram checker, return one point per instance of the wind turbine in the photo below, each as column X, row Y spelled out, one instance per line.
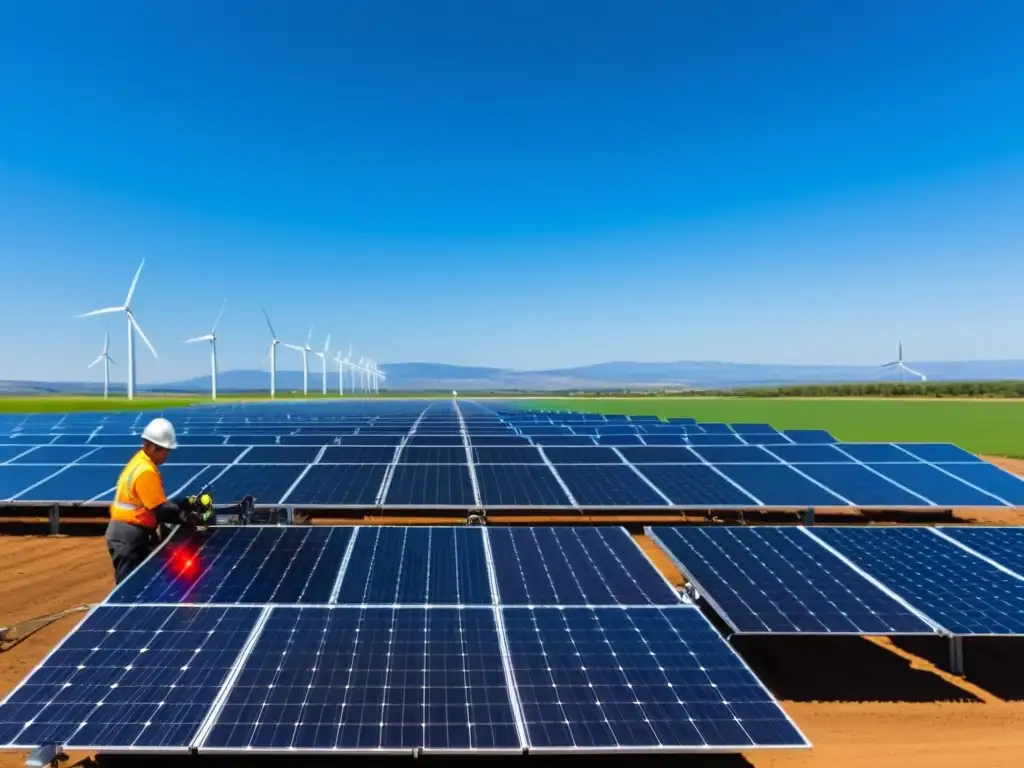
column 323, row 361
column 381, row 376
column 305, row 360
column 361, row 367
column 273, row 355
column 107, row 360
column 341, row 373
column 132, row 327
column 212, row 338
column 899, row 365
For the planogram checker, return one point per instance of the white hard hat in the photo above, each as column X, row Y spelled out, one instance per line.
column 161, row 432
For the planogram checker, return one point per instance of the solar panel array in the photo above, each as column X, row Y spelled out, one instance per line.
column 466, row 455
column 858, row 580
column 394, row 639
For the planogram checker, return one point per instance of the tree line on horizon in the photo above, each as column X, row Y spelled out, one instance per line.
column 1011, row 388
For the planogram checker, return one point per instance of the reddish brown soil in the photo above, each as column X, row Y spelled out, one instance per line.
column 861, row 702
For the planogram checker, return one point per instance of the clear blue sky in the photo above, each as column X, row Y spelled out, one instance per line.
column 526, row 184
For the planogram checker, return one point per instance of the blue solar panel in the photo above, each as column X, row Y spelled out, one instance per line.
column 15, row 478
column 53, row 454
column 507, row 455
column 938, row 452
column 8, row 452
column 618, row 440
column 779, row 486
column 875, row 453
column 641, row 678
column 371, row 680
column 574, row 566
column 809, row 454
column 437, row 455
column 1004, row 545
column 593, row 485
column 860, row 485
column 240, row 564
column 434, row 565
column 664, row 439
column 990, row 478
column 766, row 438
column 128, row 677
column 267, row 482
column 73, row 484
column 364, row 439
column 430, row 485
column 660, row 455
column 695, row 485
column 280, row 454
column 764, row 579
column 713, row 439
column 509, row 485
column 754, row 428
column 498, row 440
column 201, row 454
column 593, row 455
column 339, row 485
column 953, row 588
column 740, row 454
column 809, row 436
column 358, row 454
column 936, row 485
column 438, row 440
column 257, row 440
column 716, row 428
column 118, row 455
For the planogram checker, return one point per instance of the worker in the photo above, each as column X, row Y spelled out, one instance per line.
column 140, row 505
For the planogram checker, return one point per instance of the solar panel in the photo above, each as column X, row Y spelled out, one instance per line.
column 779, row 485
column 574, row 566
column 517, row 485
column 240, row 564
column 578, row 455
column 363, row 454
column 430, row 485
column 507, row 455
column 660, row 455
column 809, row 454
column 201, row 454
column 267, row 482
column 8, row 452
column 766, row 579
column 339, row 485
column 72, row 484
column 128, row 677
column 453, row 441
column 990, row 478
column 433, row 565
column 15, row 478
column 766, row 438
column 618, row 440
column 53, row 454
column 371, row 680
column 435, row 455
column 664, row 439
column 740, row 454
column 934, row 484
column 875, row 453
column 696, row 485
column 593, row 485
column 498, row 440
column 939, row 452
column 809, row 435
column 860, row 485
column 280, row 454
column 636, row 678
column 1005, row 545
column 953, row 588
column 713, row 439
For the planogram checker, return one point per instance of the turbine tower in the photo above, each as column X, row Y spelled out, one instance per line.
column 273, row 355
column 346, row 363
column 212, row 338
column 323, row 362
column 107, row 360
column 341, row 373
column 901, row 367
column 305, row 350
column 133, row 326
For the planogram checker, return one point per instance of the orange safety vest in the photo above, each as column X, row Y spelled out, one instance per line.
column 127, row 507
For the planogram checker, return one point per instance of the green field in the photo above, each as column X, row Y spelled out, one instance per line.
column 994, row 427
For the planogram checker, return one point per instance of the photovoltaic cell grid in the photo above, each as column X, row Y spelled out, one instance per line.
column 439, row 455
column 767, row 579
column 411, row 675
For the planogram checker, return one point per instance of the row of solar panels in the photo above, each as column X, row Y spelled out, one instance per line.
column 856, row 580
column 505, row 673
column 563, row 480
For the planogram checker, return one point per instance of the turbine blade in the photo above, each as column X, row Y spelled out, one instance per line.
column 273, row 335
column 112, row 361
column 106, row 311
column 327, row 343
column 94, row 362
column 135, row 280
column 309, row 338
column 292, row 346
column 219, row 315
column 207, row 337
column 138, row 328
column 106, row 342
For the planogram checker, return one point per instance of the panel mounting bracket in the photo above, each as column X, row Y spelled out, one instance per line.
column 956, row 654
column 44, row 755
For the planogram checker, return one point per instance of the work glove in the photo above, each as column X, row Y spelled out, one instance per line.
column 199, row 510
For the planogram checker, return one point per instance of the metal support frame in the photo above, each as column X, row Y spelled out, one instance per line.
column 956, row 654
column 44, row 755
column 54, row 519
column 809, row 516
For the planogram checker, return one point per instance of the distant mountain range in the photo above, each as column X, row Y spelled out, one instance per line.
column 613, row 375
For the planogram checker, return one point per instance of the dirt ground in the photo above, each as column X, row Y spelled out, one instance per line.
column 862, row 702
